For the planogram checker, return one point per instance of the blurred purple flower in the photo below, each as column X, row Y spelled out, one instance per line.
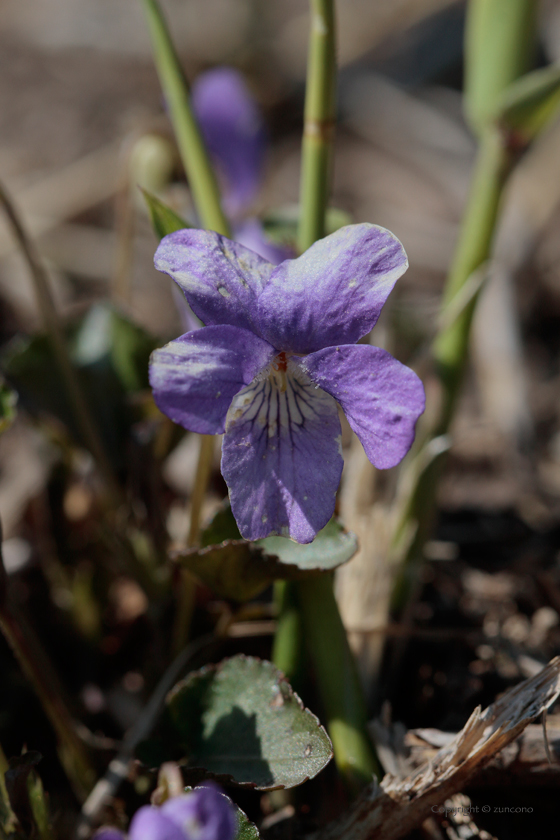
column 278, row 352
column 234, row 133
column 203, row 814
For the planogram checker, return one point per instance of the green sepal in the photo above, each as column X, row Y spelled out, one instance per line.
column 164, row 219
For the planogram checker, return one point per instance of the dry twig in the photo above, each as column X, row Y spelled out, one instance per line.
column 394, row 808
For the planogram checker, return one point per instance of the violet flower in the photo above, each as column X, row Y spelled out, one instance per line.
column 278, row 352
column 203, row 814
column 234, row 133
column 235, row 136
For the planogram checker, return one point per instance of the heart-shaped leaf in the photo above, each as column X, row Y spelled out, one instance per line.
column 240, row 570
column 241, row 721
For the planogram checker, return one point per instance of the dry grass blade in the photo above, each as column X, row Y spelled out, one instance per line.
column 394, row 808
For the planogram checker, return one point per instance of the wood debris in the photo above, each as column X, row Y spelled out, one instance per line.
column 396, row 806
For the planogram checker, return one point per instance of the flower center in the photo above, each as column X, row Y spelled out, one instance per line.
column 278, row 371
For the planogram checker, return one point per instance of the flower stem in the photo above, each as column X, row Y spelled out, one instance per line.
column 288, row 638
column 187, row 583
column 206, row 196
column 318, row 128
column 450, row 348
column 339, row 687
column 500, row 38
column 193, row 153
column 337, row 678
column 45, row 302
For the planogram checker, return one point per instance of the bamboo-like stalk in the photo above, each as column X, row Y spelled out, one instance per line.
column 193, row 153
column 319, row 117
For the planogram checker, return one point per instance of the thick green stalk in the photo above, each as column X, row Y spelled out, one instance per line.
column 325, row 636
column 338, row 682
column 193, row 153
column 318, row 128
column 499, row 48
column 288, row 638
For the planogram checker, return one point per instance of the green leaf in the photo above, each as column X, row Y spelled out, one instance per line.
column 281, row 223
column 246, row 830
column 331, row 547
column 530, row 104
column 222, row 527
column 241, row 721
column 111, row 355
column 241, row 570
column 8, row 402
column 164, row 219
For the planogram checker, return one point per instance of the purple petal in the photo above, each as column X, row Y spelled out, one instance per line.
column 204, row 814
column 149, row 823
column 250, row 233
column 220, row 278
column 334, row 292
column 234, row 133
column 195, row 377
column 381, row 397
column 281, row 456
column 108, row 832
column 189, row 321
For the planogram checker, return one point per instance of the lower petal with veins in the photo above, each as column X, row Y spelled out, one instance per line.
column 281, row 456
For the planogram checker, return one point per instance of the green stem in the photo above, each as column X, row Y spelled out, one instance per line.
column 187, row 583
column 339, row 686
column 338, row 682
column 78, row 403
column 288, row 638
column 193, row 153
column 473, row 249
column 499, row 44
column 319, row 119
column 450, row 350
column 206, row 195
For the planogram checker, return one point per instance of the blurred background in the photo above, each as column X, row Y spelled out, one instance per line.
column 78, row 88
column 77, row 83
